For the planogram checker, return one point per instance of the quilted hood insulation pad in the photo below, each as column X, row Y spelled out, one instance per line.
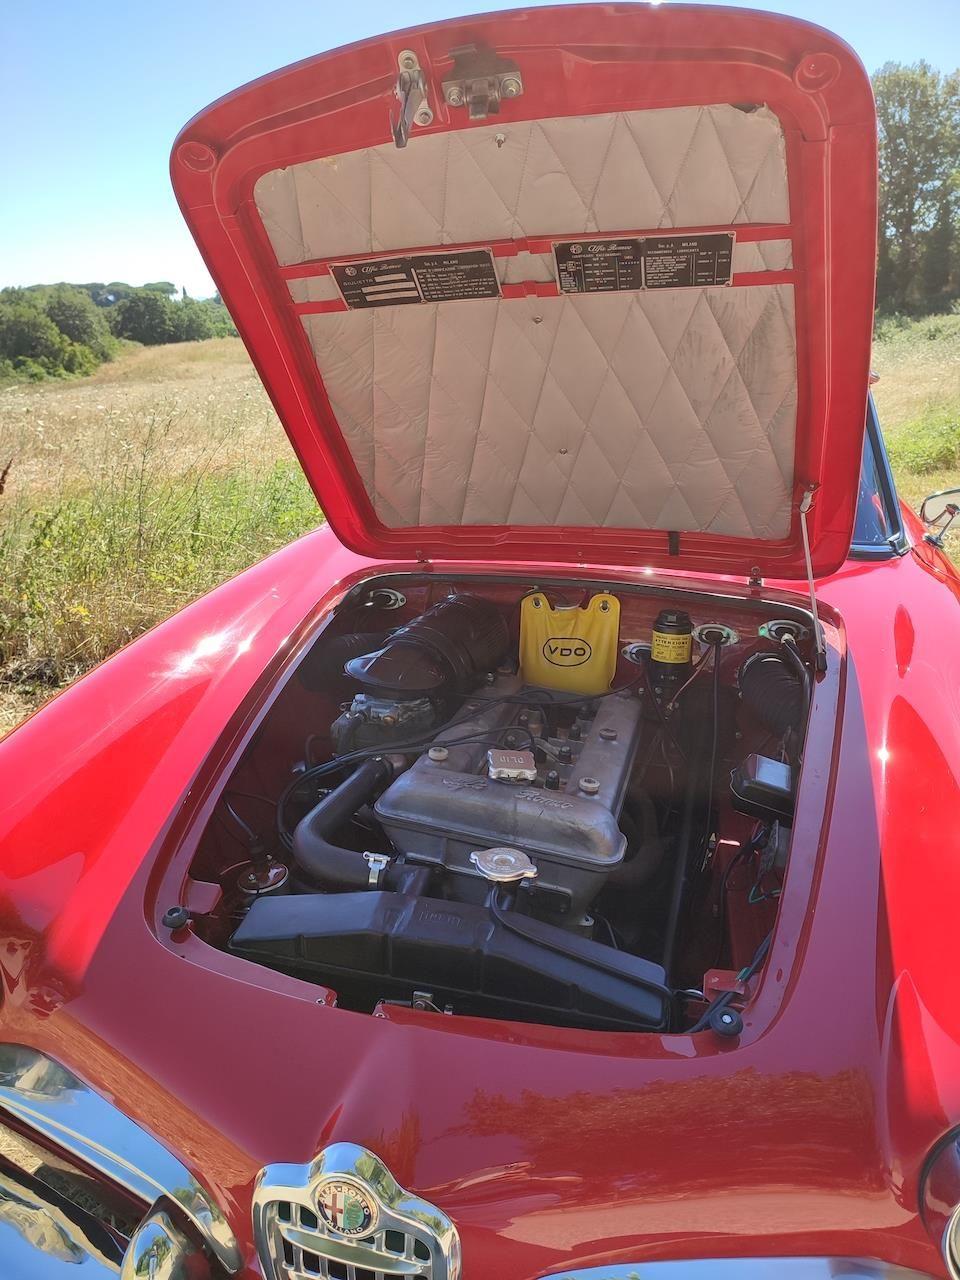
column 637, row 408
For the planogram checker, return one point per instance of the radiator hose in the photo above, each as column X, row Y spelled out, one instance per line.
column 326, row 864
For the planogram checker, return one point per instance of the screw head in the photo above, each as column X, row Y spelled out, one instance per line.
column 177, row 917
column 510, row 87
column 608, row 735
column 424, row 116
column 407, row 60
column 589, row 786
column 454, row 95
column 438, row 754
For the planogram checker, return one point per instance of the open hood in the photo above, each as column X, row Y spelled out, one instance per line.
column 591, row 283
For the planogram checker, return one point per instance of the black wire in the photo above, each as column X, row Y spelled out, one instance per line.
column 789, row 646
column 747, row 847
column 556, row 698
column 251, row 795
column 338, row 762
column 716, row 737
column 248, row 831
column 727, row 997
column 506, row 918
column 665, row 725
column 698, row 667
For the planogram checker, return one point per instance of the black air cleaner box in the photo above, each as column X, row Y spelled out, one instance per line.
column 373, row 946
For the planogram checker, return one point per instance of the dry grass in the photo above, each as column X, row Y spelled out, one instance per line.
column 918, row 400
column 135, row 490
column 129, row 494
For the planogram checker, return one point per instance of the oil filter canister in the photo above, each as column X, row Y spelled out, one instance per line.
column 671, row 646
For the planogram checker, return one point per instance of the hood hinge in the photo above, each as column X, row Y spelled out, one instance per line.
column 411, row 92
column 806, row 502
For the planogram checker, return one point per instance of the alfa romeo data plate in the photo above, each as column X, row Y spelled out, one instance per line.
column 644, row 262
column 425, row 277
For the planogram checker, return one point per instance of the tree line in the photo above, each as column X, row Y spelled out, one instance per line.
column 918, row 117
column 49, row 331
column 57, row 330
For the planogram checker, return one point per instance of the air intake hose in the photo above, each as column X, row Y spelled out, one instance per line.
column 323, row 863
column 443, row 652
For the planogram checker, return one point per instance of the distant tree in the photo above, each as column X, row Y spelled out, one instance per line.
column 26, row 332
column 31, row 344
column 938, row 264
column 144, row 316
column 192, row 321
column 166, row 287
column 220, row 318
column 75, row 315
column 918, row 113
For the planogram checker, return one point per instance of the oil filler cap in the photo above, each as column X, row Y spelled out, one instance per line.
column 504, row 866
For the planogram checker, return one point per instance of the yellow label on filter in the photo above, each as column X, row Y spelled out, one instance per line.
column 666, row 647
column 569, row 648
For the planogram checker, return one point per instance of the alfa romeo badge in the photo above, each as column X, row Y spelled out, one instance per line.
column 346, row 1208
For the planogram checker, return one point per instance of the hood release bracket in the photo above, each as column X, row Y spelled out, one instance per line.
column 480, row 78
column 411, row 91
column 806, row 502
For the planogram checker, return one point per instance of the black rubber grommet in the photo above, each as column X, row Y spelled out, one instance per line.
column 175, row 917
column 726, row 1022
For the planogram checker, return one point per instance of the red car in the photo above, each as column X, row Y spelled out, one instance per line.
column 549, row 867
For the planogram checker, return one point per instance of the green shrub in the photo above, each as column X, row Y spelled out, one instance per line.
column 79, row 319
column 192, row 321
column 26, row 332
column 121, row 545
column 145, row 316
column 926, row 444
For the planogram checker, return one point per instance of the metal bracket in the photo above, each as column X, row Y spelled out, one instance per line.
column 411, row 91
column 480, row 78
column 378, row 863
column 806, row 502
column 385, row 598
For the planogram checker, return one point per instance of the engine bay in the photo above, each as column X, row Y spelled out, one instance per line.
column 561, row 803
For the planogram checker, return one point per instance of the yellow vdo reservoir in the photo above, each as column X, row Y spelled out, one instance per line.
column 573, row 648
column 671, row 647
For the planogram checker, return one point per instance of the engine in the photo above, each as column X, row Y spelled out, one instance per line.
column 554, row 791
column 483, row 844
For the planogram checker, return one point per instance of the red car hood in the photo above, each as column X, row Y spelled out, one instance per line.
column 550, row 1148
column 591, row 283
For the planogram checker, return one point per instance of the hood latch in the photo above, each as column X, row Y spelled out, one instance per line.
column 479, row 79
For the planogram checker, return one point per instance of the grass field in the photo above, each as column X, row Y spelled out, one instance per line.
column 133, row 491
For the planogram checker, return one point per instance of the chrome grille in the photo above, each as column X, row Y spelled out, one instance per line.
column 302, row 1232
column 302, row 1250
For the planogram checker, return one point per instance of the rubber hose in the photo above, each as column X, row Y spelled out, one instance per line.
column 326, row 864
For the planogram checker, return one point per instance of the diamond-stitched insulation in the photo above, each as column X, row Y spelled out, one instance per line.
column 673, row 409
column 302, row 1250
column 673, row 167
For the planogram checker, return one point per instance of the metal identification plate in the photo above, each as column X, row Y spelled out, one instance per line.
column 426, row 277
column 687, row 262
column 599, row 266
column 649, row 262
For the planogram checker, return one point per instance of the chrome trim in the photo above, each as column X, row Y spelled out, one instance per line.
column 157, row 1251
column 299, row 1187
column 746, row 1269
column 950, row 1245
column 51, row 1101
column 38, row 1241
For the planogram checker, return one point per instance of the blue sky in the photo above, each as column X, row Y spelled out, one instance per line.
column 92, row 95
